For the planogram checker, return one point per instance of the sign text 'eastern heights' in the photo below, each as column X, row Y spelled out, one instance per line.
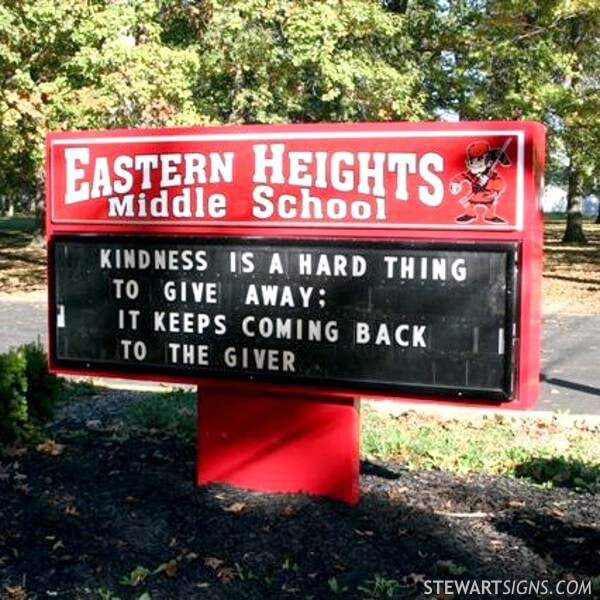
column 127, row 179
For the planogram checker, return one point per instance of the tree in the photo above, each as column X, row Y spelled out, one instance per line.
column 526, row 59
column 123, row 74
column 35, row 39
column 148, row 63
column 136, row 63
column 80, row 65
column 579, row 106
column 308, row 61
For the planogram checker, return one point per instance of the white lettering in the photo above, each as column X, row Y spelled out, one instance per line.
column 433, row 194
column 299, row 162
column 372, row 172
column 259, row 359
column 122, row 167
column 146, row 163
column 426, row 268
column 402, row 164
column 188, row 354
column 102, row 182
column 382, row 334
column 73, row 158
column 169, row 170
column 273, row 163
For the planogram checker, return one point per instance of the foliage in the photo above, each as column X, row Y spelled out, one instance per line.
column 523, row 59
column 66, row 65
column 122, row 75
column 18, row 223
column 380, row 587
column 149, row 63
column 28, row 393
column 43, row 389
column 13, row 403
column 36, row 37
column 527, row 59
column 308, row 61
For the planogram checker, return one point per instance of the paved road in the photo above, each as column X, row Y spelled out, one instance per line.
column 22, row 320
column 571, row 364
column 570, row 355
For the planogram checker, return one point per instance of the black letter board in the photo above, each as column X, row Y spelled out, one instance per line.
column 426, row 318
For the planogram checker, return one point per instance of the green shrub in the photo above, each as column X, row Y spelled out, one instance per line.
column 43, row 389
column 13, row 400
column 28, row 393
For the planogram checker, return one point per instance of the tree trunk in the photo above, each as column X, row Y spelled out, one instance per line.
column 574, row 230
column 598, row 216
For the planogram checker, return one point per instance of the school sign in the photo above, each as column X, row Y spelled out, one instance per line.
column 320, row 261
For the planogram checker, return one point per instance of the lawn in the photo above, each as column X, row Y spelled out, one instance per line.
column 571, row 272
column 546, row 451
column 22, row 265
column 106, row 505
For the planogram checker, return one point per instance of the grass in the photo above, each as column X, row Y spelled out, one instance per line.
column 547, row 453
column 22, row 267
column 544, row 452
column 172, row 413
column 559, row 254
column 19, row 223
column 571, row 271
column 380, row 587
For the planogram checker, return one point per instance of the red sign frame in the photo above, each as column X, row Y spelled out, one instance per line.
column 366, row 178
column 379, row 181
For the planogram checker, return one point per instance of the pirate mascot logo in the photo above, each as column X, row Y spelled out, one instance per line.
column 485, row 186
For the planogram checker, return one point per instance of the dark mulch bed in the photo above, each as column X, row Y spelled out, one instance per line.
column 114, row 508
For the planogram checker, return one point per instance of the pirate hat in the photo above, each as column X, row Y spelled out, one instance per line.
column 477, row 150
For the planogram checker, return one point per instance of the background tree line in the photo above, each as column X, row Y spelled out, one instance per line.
column 83, row 64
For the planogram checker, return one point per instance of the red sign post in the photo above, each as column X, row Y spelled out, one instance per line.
column 289, row 269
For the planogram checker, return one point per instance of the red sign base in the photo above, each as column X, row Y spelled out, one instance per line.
column 307, row 444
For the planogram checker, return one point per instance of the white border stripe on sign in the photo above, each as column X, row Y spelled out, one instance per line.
column 331, row 135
